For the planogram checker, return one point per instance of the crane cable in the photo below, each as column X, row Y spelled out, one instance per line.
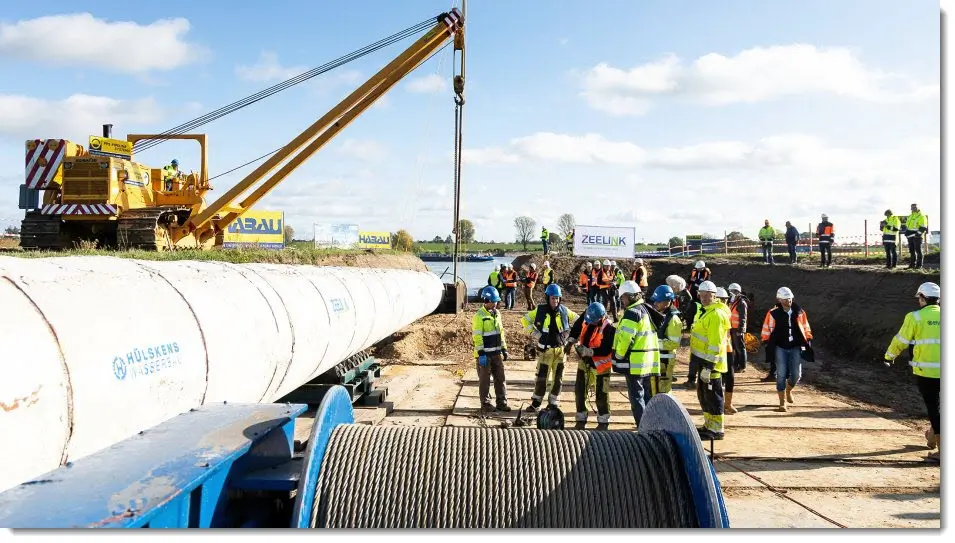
column 251, row 99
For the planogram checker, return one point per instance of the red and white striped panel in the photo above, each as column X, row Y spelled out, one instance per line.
column 78, row 209
column 451, row 20
column 43, row 157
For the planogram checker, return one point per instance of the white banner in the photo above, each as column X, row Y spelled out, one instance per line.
column 610, row 241
column 342, row 236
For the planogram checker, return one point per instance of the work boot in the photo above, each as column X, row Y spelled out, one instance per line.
column 707, row 434
column 580, row 425
column 487, row 408
column 531, row 408
column 782, row 401
column 728, row 405
column 930, row 438
column 503, row 407
column 603, row 426
column 936, row 456
column 768, row 378
column 789, row 393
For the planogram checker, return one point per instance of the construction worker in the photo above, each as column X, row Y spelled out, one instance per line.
column 708, row 341
column 699, row 274
column 729, row 376
column 494, row 279
column 826, row 235
column 890, row 238
column 593, row 335
column 787, row 332
column 739, row 318
column 684, row 300
column 669, row 334
column 529, row 281
column 792, row 238
column 921, row 336
column 618, row 279
column 547, row 275
column 594, row 289
column 549, row 325
column 636, row 349
column 604, row 284
column 509, row 276
column 569, row 242
column 640, row 275
column 583, row 281
column 916, row 225
column 169, row 173
column 490, row 350
column 545, row 239
column 766, row 236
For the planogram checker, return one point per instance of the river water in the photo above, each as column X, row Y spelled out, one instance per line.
column 474, row 274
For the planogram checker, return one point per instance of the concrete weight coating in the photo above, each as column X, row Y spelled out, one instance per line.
column 98, row 348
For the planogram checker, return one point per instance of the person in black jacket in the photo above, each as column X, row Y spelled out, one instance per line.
column 792, row 237
column 593, row 335
column 788, row 336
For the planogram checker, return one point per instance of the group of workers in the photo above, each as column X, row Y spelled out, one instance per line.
column 642, row 344
column 914, row 228
column 506, row 279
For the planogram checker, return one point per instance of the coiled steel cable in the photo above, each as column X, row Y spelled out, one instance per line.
column 453, row 477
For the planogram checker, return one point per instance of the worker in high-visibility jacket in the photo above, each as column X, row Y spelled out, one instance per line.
column 584, row 280
column 530, row 280
column 739, row 313
column 494, row 279
column 549, row 325
column 708, row 340
column 618, row 279
column 827, row 235
column 490, row 350
column 766, row 236
column 640, row 275
column 510, row 286
column 592, row 334
column 916, row 226
column 787, row 335
column 890, row 227
column 699, row 274
column 545, row 239
column 921, row 336
column 636, row 349
column 169, row 173
column 547, row 275
column 669, row 333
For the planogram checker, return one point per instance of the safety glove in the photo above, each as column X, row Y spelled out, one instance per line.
column 705, row 375
column 482, row 360
column 504, row 353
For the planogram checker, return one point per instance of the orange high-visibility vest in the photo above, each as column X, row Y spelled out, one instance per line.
column 604, row 362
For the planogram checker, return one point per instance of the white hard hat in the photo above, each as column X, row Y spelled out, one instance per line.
column 613, row 262
column 546, row 263
column 596, row 263
column 721, row 293
column 734, row 286
column 590, row 264
column 639, row 261
column 676, row 282
column 606, row 262
column 533, row 266
column 707, row 286
column 699, row 264
column 628, row 287
column 929, row 290
column 824, row 216
column 510, row 266
column 784, row 293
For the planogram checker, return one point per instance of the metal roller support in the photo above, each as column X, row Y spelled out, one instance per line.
column 99, row 348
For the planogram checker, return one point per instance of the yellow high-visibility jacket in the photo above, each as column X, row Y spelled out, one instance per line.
column 487, row 332
column 922, row 331
column 708, row 336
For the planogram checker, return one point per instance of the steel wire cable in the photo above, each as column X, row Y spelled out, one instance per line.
column 453, row 477
column 278, row 87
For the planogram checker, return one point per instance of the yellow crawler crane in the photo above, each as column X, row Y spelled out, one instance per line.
column 119, row 202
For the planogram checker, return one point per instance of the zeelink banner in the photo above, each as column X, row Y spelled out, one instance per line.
column 605, row 241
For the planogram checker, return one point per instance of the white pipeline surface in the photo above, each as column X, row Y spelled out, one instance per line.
column 96, row 349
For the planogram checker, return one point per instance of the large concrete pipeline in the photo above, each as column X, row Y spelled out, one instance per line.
column 95, row 349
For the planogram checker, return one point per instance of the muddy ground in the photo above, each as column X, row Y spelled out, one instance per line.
column 854, row 312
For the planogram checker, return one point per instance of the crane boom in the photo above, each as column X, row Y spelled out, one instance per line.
column 226, row 208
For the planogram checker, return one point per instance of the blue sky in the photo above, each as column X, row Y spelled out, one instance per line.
column 674, row 117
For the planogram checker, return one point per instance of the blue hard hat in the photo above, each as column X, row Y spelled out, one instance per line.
column 490, row 294
column 552, row 290
column 661, row 293
column 594, row 313
column 175, row 162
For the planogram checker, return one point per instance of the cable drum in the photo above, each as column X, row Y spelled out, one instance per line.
column 455, row 477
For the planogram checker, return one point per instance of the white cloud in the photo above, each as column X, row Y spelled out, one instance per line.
column 82, row 40
column 428, row 84
column 753, row 75
column 73, row 118
column 365, row 150
column 489, row 155
column 582, row 149
column 268, row 69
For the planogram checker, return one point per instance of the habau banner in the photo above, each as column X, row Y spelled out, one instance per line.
column 609, row 241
